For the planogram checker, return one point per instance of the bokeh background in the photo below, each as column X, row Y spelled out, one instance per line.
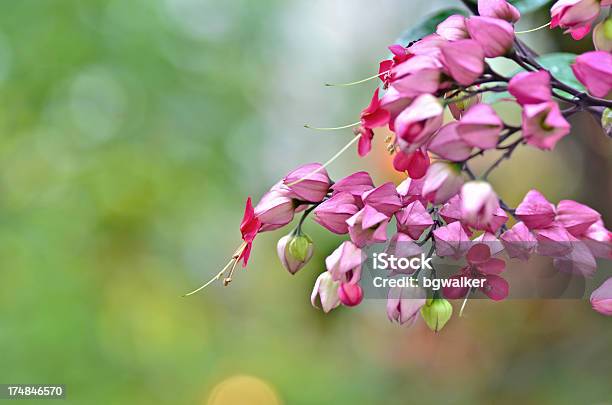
column 131, row 133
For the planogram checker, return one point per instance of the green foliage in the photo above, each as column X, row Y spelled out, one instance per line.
column 526, row 6
column 559, row 65
column 428, row 26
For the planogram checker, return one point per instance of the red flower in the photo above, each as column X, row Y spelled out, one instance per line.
column 249, row 227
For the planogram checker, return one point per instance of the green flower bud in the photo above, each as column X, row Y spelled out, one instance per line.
column 606, row 121
column 295, row 250
column 436, row 312
column 602, row 35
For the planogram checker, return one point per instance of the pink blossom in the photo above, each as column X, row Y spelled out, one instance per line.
column 594, row 70
column 496, row 221
column 333, row 213
column 489, row 239
column 402, row 245
column 356, row 184
column 410, row 190
column 599, row 240
column 309, row 182
column 415, row 125
column 344, row 264
column 415, row 163
column 451, row 240
column 554, row 241
column 350, row 294
column 575, row 15
column 372, row 116
column 544, row 125
column 496, row 36
column 368, row 226
column 480, row 126
column 249, row 227
column 326, row 288
column 442, row 181
column 400, row 55
column 478, row 202
column 464, row 60
column 481, row 265
column 531, row 87
column 383, row 198
column 449, row 145
column 498, row 9
column 276, row 208
column 519, row 242
column 535, row 211
column 404, row 304
column 453, row 28
column 419, row 75
column 429, row 45
column 413, row 220
column 578, row 260
column 289, row 261
column 601, row 298
column 576, row 217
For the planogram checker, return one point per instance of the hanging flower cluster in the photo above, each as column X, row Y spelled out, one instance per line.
column 443, row 205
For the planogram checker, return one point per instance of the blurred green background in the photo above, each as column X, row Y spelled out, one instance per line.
column 131, row 134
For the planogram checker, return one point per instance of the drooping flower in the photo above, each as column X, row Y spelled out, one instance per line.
column 383, row 198
column 368, row 226
column 309, row 182
column 419, row 75
column 413, row 220
column 601, row 298
column 333, row 213
column 344, row 264
column 481, row 266
column 249, row 227
column 574, row 15
column 326, row 288
column 415, row 125
column 453, row 28
column 531, row 87
column 594, row 70
column 535, row 211
column 447, row 144
column 276, row 208
column 544, row 125
column 496, row 36
column 480, row 126
column 404, row 304
column 478, row 202
column 294, row 251
column 498, row 9
column 442, row 181
column 415, row 163
column 519, row 242
column 350, row 294
column 464, row 60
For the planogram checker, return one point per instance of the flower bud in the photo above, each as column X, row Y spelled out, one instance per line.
column 404, row 304
column 531, row 87
column 606, row 121
column 478, row 202
column 602, row 35
column 453, row 28
column 275, row 209
column 494, row 35
column 601, row 299
column 350, row 294
column 464, row 60
column 333, row 213
column 294, row 251
column 498, row 9
column 326, row 288
column 308, row 182
column 436, row 312
column 442, row 181
column 594, row 70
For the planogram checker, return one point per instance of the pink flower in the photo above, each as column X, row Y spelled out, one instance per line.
column 601, row 298
column 452, row 211
column 576, row 217
column 372, row 116
column 481, row 265
column 350, row 294
column 449, row 145
column 287, row 256
column 478, row 202
column 494, row 35
column 400, row 55
column 453, row 28
column 442, row 181
column 429, row 45
column 531, row 87
column 309, row 182
column 276, row 208
column 498, row 9
column 410, row 190
column 333, row 213
column 519, row 242
column 356, row 184
column 415, row 125
column 578, row 260
column 464, row 60
column 404, row 304
column 594, row 70
column 402, row 245
column 451, row 240
column 544, row 125
column 326, row 288
column 415, row 163
column 383, row 198
column 554, row 241
column 480, row 127
column 575, row 15
column 413, row 220
column 344, row 264
column 599, row 240
column 535, row 211
column 368, row 226
column 419, row 75
column 249, row 227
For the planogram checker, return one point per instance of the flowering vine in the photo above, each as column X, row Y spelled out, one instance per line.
column 443, row 206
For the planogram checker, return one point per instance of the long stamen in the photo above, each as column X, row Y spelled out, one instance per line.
column 358, row 81
column 330, row 161
column 464, row 303
column 534, row 29
column 332, row 128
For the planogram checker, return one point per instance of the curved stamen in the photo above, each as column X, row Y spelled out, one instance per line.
column 330, row 161
column 358, row 81
column 332, row 128
column 533, row 30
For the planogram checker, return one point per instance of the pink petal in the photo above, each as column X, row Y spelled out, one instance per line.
column 535, row 211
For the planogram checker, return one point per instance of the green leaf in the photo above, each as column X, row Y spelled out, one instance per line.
column 428, row 26
column 525, row 6
column 559, row 65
